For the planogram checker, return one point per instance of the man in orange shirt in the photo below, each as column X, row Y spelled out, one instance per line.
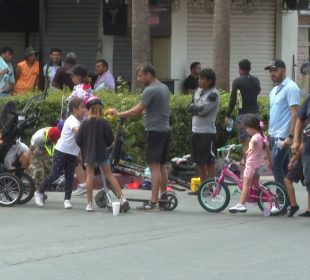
column 27, row 72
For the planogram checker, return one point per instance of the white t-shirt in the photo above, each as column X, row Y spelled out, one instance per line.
column 38, row 139
column 66, row 142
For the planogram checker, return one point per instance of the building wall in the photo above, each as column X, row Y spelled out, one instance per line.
column 73, row 26
column 252, row 36
column 303, row 80
column 70, row 26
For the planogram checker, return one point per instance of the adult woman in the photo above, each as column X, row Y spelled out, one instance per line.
column 204, row 108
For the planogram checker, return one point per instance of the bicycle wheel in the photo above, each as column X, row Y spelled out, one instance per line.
column 10, row 189
column 209, row 200
column 28, row 188
column 273, row 194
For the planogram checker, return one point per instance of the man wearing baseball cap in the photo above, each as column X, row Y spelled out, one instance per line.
column 284, row 101
column 27, row 72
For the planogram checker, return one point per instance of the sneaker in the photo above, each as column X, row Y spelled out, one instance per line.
column 293, row 210
column 67, row 204
column 274, row 209
column 239, row 208
column 89, row 207
column 147, row 206
column 124, row 205
column 304, row 214
column 39, row 199
column 81, row 189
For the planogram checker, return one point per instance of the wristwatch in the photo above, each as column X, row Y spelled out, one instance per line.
column 290, row 136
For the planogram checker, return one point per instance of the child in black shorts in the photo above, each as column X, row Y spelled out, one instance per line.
column 295, row 175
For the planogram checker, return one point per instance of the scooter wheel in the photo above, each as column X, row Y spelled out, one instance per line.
column 168, row 201
column 101, row 199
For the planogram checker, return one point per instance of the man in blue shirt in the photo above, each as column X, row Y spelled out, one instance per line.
column 284, row 102
column 7, row 79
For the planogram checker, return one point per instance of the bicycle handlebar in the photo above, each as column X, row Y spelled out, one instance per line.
column 229, row 147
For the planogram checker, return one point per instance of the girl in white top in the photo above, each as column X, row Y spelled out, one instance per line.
column 65, row 155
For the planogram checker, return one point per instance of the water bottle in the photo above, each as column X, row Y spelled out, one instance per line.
column 229, row 124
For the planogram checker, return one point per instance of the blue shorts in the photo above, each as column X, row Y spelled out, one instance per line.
column 242, row 134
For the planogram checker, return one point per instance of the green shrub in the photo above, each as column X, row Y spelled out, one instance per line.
column 134, row 130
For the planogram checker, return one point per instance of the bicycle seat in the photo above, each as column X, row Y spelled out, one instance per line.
column 261, row 170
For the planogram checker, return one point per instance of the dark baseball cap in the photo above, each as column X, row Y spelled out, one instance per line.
column 277, row 63
column 78, row 70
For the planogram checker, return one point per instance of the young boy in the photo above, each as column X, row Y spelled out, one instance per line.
column 295, row 175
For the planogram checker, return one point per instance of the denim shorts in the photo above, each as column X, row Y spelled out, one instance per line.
column 242, row 134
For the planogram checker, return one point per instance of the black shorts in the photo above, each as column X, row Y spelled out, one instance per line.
column 157, row 146
column 202, row 148
column 296, row 174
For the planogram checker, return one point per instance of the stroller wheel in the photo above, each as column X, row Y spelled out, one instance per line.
column 28, row 186
column 101, row 199
column 10, row 189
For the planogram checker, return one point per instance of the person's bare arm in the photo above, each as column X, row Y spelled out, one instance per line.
column 134, row 111
column 297, row 136
column 17, row 73
column 293, row 110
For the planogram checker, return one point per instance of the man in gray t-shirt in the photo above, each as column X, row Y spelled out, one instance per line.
column 156, row 99
column 155, row 102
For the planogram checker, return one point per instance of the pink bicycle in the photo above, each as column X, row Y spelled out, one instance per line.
column 214, row 194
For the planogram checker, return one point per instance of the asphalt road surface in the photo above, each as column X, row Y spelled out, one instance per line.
column 187, row 243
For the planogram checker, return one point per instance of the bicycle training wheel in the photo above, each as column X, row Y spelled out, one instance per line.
column 10, row 189
column 28, row 188
column 211, row 201
column 273, row 194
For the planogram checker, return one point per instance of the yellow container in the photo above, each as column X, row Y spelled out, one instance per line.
column 195, row 183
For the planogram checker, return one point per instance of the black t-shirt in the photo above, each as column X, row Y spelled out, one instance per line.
column 249, row 88
column 93, row 137
column 190, row 83
column 304, row 115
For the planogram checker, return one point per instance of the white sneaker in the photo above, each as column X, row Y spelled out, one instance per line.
column 239, row 208
column 81, row 189
column 89, row 207
column 274, row 209
column 38, row 198
column 67, row 204
column 124, row 204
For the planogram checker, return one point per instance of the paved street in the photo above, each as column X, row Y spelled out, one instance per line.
column 188, row 243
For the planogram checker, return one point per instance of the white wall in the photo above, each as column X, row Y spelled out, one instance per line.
column 287, row 38
column 179, row 45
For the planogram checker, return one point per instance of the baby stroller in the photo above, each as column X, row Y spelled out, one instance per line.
column 16, row 186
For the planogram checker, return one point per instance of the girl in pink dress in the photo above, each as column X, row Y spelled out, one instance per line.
column 255, row 158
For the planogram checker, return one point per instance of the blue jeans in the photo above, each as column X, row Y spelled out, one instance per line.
column 280, row 160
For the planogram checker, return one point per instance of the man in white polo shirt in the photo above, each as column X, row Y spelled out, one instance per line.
column 284, row 101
